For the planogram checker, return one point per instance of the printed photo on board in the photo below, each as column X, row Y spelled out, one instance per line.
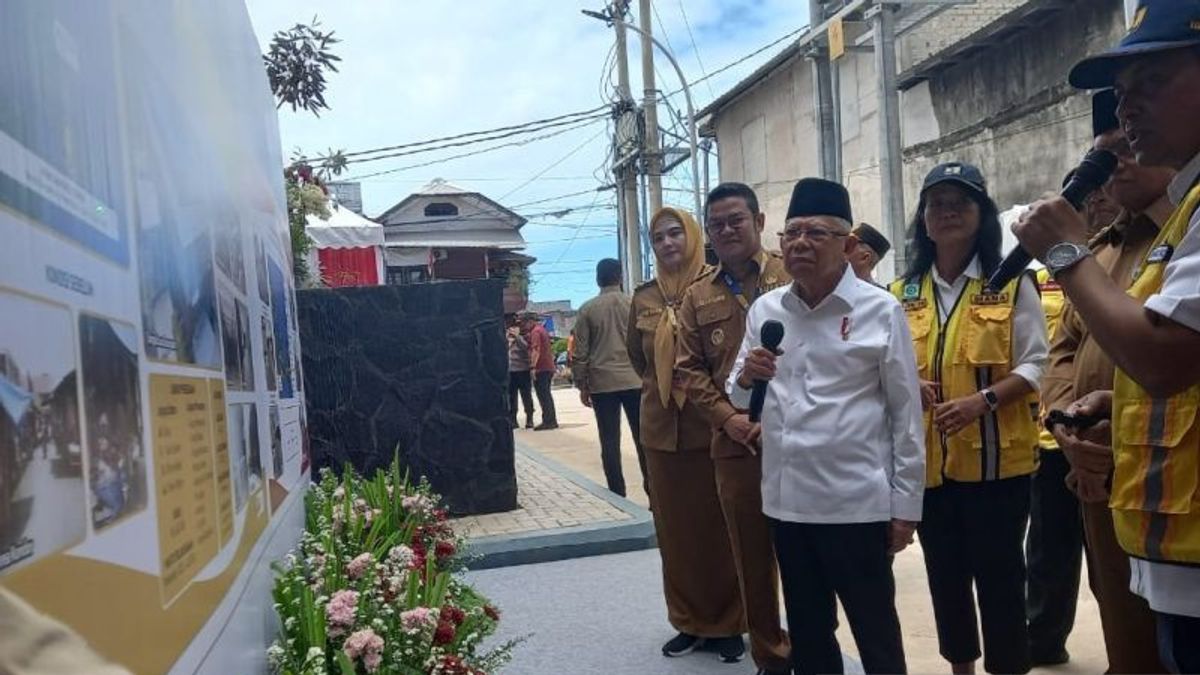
column 228, row 238
column 113, row 419
column 41, row 468
column 268, row 342
column 235, row 334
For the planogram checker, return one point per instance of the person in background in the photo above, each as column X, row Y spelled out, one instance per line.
column 1150, row 330
column 981, row 356
column 602, row 372
column 699, row 578
column 520, row 379
column 541, row 356
column 842, row 437
column 867, row 253
column 1078, row 366
column 712, row 320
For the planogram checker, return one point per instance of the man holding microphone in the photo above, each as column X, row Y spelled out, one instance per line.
column 1152, row 332
column 842, row 437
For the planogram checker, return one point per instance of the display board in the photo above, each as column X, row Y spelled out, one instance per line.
column 151, row 412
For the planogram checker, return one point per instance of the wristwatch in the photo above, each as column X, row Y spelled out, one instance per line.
column 989, row 397
column 1064, row 256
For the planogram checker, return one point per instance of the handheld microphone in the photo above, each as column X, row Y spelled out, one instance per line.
column 771, row 335
column 1095, row 170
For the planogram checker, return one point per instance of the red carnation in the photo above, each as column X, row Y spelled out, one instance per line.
column 491, row 612
column 441, row 515
column 454, row 615
column 444, row 549
column 444, row 634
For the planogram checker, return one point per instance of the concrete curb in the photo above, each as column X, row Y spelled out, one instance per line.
column 525, row 548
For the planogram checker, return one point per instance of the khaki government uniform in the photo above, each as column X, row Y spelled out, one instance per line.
column 699, row 576
column 1077, row 367
column 712, row 324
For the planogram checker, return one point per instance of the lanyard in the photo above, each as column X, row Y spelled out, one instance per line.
column 735, row 287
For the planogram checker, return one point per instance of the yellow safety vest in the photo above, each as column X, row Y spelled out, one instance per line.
column 1156, row 441
column 1053, row 301
column 968, row 353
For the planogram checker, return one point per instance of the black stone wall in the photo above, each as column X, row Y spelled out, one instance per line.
column 419, row 369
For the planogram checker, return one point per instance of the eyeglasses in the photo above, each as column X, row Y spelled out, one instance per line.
column 815, row 235
column 733, row 223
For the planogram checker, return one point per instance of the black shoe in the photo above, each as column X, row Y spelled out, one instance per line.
column 546, row 427
column 682, row 644
column 1050, row 658
column 731, row 649
column 528, row 422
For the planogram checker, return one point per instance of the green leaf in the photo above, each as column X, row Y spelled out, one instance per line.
column 344, row 662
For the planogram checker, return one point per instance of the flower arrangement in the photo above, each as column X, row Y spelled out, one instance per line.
column 375, row 586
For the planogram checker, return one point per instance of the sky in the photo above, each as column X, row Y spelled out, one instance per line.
column 413, row 70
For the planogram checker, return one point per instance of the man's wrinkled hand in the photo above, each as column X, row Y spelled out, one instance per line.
column 759, row 365
column 585, row 398
column 900, row 535
column 929, row 394
column 1049, row 222
column 743, row 431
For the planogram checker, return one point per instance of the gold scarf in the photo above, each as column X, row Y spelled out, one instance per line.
column 672, row 285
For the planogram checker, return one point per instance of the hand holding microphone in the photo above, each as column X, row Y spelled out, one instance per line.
column 1055, row 221
column 760, row 366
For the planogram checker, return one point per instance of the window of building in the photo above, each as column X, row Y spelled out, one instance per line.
column 437, row 209
column 401, row 276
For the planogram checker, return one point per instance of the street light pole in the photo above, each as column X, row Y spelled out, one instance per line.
column 693, row 136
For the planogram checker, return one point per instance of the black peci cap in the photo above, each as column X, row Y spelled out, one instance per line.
column 873, row 239
column 820, row 197
column 1158, row 26
column 961, row 173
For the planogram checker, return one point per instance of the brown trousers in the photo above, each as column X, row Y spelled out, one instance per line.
column 739, row 486
column 699, row 577
column 1129, row 631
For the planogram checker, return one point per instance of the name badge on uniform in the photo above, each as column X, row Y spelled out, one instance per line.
column 990, row 299
column 1049, row 286
column 1161, row 254
column 912, row 292
column 650, row 312
column 915, row 305
column 710, row 301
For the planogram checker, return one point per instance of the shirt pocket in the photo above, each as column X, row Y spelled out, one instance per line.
column 986, row 338
column 920, row 325
column 1153, row 472
column 713, row 322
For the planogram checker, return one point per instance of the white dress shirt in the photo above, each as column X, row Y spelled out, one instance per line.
column 1030, row 347
column 1175, row 589
column 842, row 433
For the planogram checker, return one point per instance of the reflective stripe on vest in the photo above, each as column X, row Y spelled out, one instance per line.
column 1053, row 302
column 971, row 351
column 1156, row 508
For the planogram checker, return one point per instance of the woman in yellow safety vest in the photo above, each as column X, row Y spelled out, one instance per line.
column 981, row 354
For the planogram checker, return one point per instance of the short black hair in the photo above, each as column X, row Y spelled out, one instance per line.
column 608, row 272
column 727, row 190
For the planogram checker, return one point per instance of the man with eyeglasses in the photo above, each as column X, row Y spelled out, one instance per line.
column 842, row 436
column 712, row 319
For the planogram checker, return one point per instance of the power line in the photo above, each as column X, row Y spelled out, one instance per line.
column 558, row 197
column 473, row 141
column 742, row 60
column 455, row 137
column 554, row 164
column 481, row 151
column 695, row 48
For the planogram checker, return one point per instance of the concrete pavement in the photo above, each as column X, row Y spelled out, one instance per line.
column 575, row 444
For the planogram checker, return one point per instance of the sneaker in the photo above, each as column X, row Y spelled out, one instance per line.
column 546, row 427
column 731, row 649
column 682, row 644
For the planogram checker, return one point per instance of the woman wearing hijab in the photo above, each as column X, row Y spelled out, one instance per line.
column 699, row 578
column 980, row 354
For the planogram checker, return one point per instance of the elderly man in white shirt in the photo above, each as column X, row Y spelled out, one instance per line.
column 842, row 437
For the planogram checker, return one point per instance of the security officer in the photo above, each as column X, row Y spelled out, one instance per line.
column 712, row 323
column 1153, row 332
column 981, row 357
column 872, row 246
column 700, row 585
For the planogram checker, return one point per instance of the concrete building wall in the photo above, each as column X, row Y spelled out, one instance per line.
column 949, row 26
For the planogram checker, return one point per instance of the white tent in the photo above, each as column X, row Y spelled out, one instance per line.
column 345, row 229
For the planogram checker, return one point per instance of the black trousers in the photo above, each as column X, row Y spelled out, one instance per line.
column 1054, row 551
column 607, row 407
column 820, row 564
column 973, row 534
column 541, row 385
column 1179, row 642
column 520, row 382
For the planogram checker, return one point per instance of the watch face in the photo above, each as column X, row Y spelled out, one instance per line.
column 1061, row 254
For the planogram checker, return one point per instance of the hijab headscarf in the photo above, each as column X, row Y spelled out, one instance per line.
column 672, row 284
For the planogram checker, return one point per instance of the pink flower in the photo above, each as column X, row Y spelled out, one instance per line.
column 340, row 611
column 418, row 619
column 359, row 565
column 368, row 646
column 401, row 555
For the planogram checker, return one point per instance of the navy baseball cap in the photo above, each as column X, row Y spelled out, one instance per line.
column 960, row 173
column 1157, row 26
